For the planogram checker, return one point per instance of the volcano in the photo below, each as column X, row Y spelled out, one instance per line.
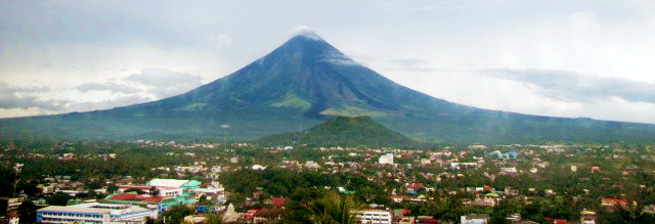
column 300, row 84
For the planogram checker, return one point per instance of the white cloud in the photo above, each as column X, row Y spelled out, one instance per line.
column 571, row 86
column 148, row 85
column 165, row 83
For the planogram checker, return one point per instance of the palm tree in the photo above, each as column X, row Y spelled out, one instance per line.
column 335, row 209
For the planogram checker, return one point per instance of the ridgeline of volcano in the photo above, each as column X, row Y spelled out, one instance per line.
column 302, row 83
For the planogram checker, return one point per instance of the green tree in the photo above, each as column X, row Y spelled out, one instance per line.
column 215, row 219
column 112, row 188
column 28, row 188
column 176, row 214
column 7, row 181
column 58, row 199
column 27, row 211
column 335, row 209
column 3, row 206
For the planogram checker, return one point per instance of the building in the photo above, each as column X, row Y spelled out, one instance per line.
column 375, row 216
column 588, row 217
column 162, row 191
column 13, row 218
column 475, row 219
column 386, row 159
column 162, row 203
column 612, row 204
column 96, row 213
column 175, row 183
column 193, row 219
column 560, row 221
column 13, row 203
column 213, row 192
column 260, row 216
column 595, row 169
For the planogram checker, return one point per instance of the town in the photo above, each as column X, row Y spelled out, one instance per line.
column 169, row 182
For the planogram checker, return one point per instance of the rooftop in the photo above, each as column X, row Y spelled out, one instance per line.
column 136, row 197
column 167, row 182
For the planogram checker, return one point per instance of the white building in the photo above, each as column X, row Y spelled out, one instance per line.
column 95, row 213
column 163, row 191
column 386, row 159
column 475, row 219
column 167, row 182
column 375, row 216
column 216, row 192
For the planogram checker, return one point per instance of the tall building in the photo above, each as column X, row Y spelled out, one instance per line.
column 95, row 213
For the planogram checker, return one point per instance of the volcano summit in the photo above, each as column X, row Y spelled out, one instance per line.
column 304, row 82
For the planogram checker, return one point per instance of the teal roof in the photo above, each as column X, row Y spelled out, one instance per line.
column 192, row 184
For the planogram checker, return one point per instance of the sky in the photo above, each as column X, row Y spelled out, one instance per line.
column 590, row 59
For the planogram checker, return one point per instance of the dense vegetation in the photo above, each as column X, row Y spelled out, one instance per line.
column 309, row 189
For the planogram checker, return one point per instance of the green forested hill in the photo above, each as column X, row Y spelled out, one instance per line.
column 342, row 131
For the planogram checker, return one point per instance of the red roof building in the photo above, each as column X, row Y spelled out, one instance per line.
column 278, row 201
column 561, row 221
column 613, row 203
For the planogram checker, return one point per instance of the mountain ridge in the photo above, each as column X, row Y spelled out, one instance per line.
column 302, row 83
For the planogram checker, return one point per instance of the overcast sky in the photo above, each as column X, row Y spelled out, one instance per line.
column 558, row 58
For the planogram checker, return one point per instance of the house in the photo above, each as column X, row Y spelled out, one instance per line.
column 399, row 198
column 407, row 220
column 475, row 219
column 250, row 215
column 588, row 217
column 426, row 162
column 13, row 218
column 429, row 220
column 511, row 155
column 278, row 202
column 414, row 188
column 264, row 215
column 560, row 221
column 514, row 218
column 611, row 204
column 508, row 170
column 595, row 169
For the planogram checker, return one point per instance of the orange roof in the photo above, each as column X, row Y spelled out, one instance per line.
column 415, row 186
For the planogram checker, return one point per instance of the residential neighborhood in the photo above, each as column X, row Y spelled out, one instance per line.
column 245, row 183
